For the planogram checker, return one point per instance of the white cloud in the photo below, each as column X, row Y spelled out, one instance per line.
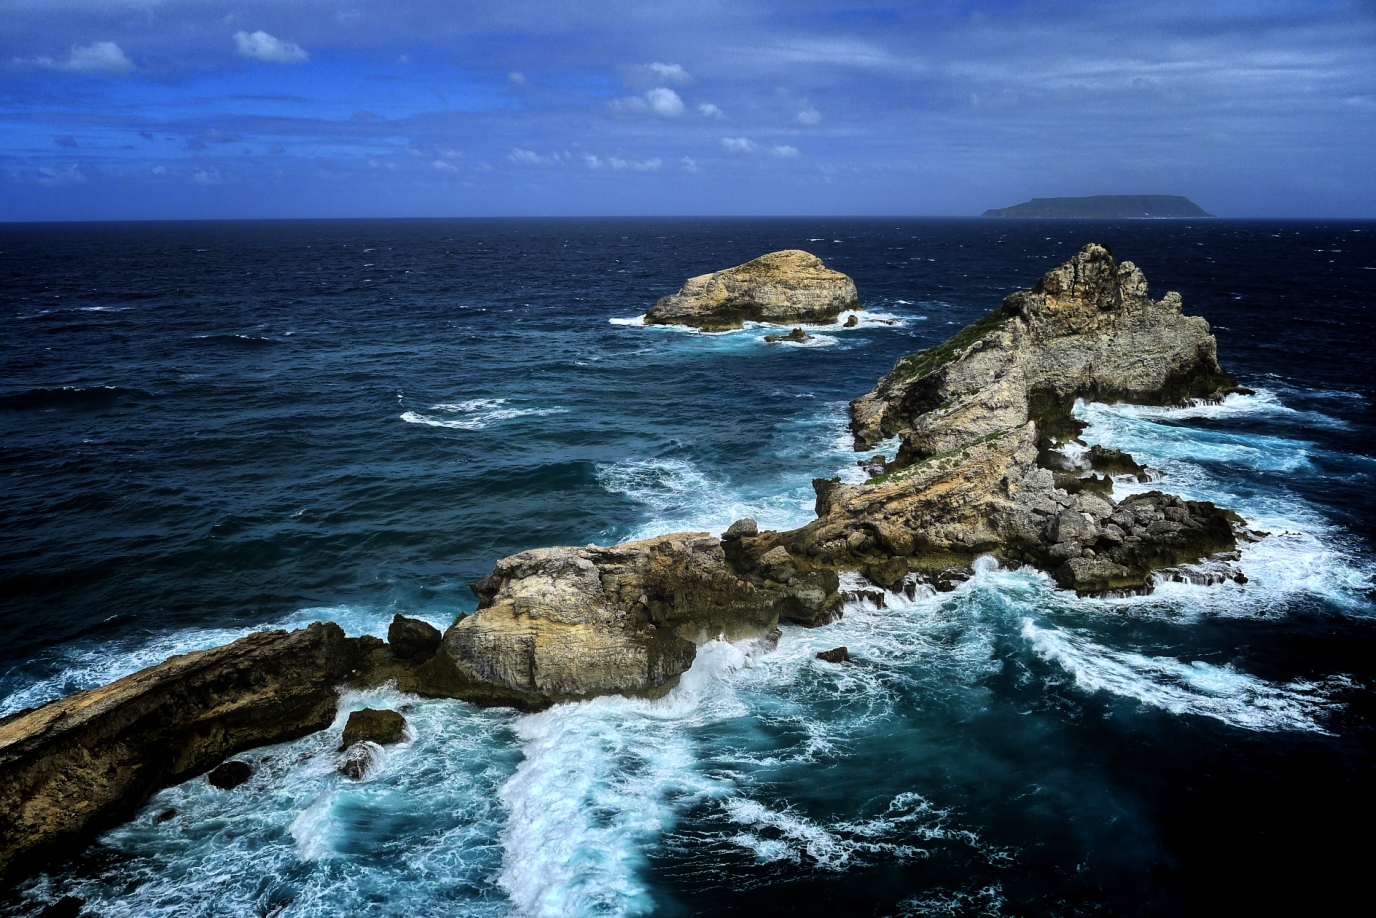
column 709, row 110
column 660, row 101
column 809, row 116
column 263, row 47
column 738, row 144
column 665, row 102
column 648, row 165
column 207, row 177
column 783, row 151
column 592, row 161
column 449, row 153
column 528, row 158
column 440, row 165
column 97, row 57
column 54, row 178
column 689, row 164
column 412, row 151
column 669, row 73
column 159, row 170
column 518, row 79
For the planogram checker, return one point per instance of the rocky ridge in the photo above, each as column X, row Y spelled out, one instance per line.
column 791, row 287
column 984, row 420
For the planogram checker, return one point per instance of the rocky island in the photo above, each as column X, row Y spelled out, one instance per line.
column 1105, row 207
column 983, row 421
column 783, row 288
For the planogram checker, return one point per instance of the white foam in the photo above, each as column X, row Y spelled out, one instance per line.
column 635, row 321
column 475, row 414
column 1164, row 682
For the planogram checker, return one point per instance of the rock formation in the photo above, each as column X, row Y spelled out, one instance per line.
column 563, row 623
column 983, row 420
column 785, row 288
column 84, row 762
column 373, row 726
column 797, row 336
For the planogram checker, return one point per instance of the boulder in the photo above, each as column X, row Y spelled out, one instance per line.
column 565, row 623
column 370, row 725
column 784, row 288
column 797, row 336
column 852, row 321
column 230, row 775
column 413, row 639
column 360, row 760
column 835, row 655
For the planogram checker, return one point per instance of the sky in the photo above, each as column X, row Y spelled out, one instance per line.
column 170, row 109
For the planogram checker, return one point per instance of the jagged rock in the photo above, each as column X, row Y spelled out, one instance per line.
column 374, row 726
column 1116, row 462
column 784, row 288
column 230, row 775
column 1086, row 330
column 413, row 639
column 560, row 623
column 84, row 762
column 852, row 321
column 742, row 528
column 166, row 815
column 835, row 655
column 797, row 336
column 359, row 760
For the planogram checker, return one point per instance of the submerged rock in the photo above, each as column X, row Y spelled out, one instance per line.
column 381, row 727
column 230, row 775
column 360, row 760
column 783, row 288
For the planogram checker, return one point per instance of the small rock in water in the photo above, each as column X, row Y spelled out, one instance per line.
column 230, row 775
column 369, row 725
column 360, row 760
column 796, row 336
column 165, row 815
column 835, row 655
column 852, row 321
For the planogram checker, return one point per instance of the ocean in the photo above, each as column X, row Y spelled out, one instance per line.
column 208, row 429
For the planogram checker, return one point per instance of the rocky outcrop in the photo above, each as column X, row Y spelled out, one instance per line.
column 786, row 288
column 373, row 726
column 1086, row 330
column 981, row 419
column 564, row 623
column 86, row 761
column 797, row 336
column 412, row 639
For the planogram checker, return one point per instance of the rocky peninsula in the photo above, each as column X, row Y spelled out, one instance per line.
column 791, row 287
column 983, row 468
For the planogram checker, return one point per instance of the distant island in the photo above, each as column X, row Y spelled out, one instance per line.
column 1106, row 206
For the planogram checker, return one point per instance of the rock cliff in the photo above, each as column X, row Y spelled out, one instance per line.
column 785, row 288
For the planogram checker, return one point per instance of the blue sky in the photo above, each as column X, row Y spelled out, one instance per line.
column 135, row 109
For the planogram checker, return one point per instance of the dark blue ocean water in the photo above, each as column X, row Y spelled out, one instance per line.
column 210, row 428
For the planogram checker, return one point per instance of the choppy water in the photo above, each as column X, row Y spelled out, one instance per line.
column 213, row 428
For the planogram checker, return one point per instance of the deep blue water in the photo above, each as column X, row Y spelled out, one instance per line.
column 209, row 428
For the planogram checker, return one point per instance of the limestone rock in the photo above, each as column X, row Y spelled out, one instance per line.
column 784, row 288
column 1086, row 330
column 559, row 623
column 81, row 763
column 374, row 726
column 413, row 639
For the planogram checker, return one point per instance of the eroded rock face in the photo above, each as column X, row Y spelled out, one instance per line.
column 979, row 419
column 787, row 288
column 559, row 623
column 1086, row 330
column 88, row 760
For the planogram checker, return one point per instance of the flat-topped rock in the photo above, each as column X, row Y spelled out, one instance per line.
column 784, row 288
